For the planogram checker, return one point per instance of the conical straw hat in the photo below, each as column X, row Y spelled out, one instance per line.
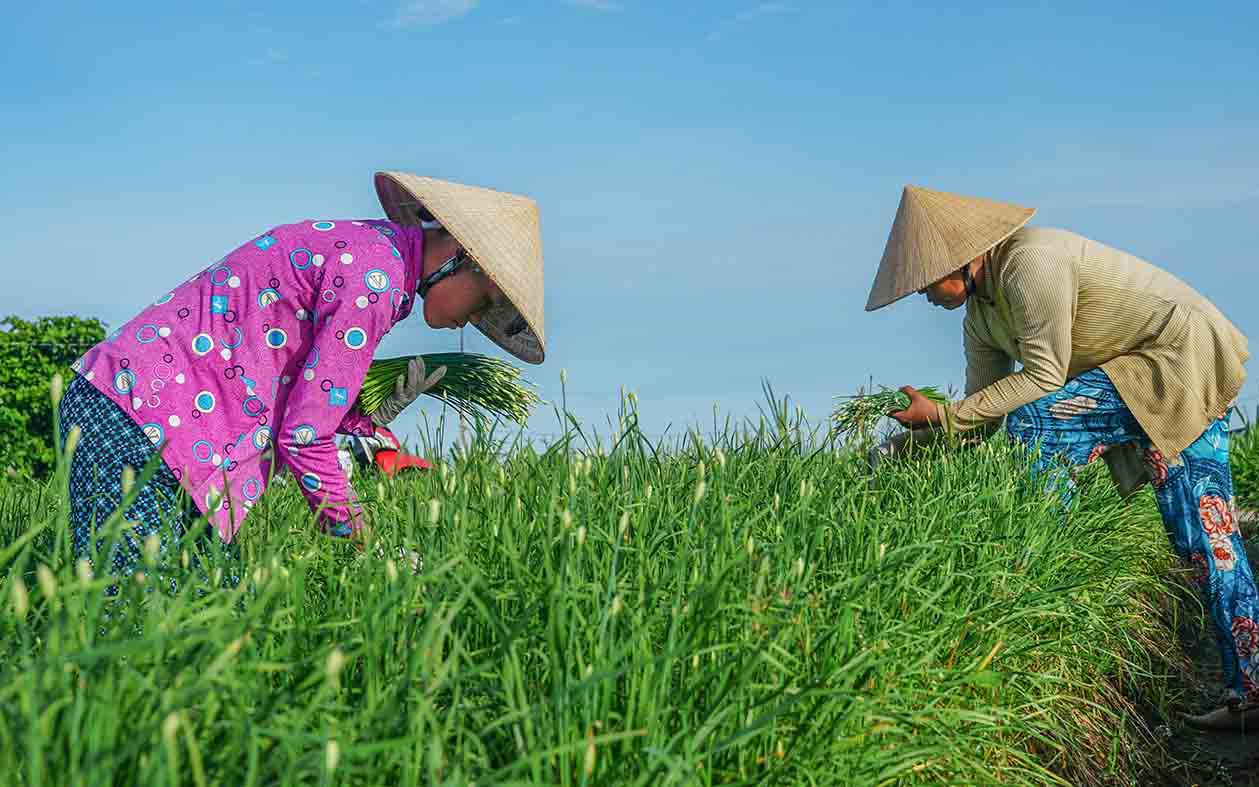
column 501, row 232
column 936, row 233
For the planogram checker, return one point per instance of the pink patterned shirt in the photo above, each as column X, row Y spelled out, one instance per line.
column 259, row 357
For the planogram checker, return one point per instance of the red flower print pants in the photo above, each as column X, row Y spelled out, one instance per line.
column 1083, row 419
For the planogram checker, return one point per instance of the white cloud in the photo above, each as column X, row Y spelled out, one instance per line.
column 749, row 15
column 597, row 5
column 432, row 12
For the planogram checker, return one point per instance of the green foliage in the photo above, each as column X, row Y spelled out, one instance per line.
column 31, row 352
column 1244, row 457
column 738, row 610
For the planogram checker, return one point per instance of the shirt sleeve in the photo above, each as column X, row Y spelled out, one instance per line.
column 355, row 424
column 1039, row 286
column 346, row 337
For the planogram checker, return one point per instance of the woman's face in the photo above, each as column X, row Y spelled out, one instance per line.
column 948, row 293
column 459, row 299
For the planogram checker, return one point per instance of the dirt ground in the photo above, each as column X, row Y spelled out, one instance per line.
column 1211, row 759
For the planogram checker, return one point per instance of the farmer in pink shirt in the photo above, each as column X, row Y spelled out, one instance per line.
column 253, row 364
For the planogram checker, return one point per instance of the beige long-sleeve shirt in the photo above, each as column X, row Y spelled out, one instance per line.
column 1061, row 304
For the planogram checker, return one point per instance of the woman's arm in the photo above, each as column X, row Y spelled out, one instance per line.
column 346, row 337
column 1040, row 287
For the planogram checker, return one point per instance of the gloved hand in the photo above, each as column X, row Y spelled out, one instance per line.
column 407, row 390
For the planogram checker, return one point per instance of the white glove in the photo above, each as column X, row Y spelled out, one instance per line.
column 346, row 460
column 407, row 390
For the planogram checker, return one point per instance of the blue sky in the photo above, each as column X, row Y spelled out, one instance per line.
column 716, row 179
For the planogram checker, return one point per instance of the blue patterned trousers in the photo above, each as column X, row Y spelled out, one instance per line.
column 1078, row 423
column 110, row 440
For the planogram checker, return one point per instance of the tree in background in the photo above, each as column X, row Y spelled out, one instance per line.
column 31, row 352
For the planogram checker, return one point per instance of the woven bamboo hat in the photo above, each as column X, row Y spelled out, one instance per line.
column 501, row 232
column 936, row 233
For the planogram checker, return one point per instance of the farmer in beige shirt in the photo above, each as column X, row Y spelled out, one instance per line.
column 1114, row 353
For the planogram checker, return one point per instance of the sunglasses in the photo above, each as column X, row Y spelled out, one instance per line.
column 446, row 269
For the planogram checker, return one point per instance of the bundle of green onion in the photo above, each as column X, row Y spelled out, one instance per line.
column 858, row 413
column 475, row 385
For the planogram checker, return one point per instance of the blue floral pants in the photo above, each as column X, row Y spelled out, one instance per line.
column 1078, row 423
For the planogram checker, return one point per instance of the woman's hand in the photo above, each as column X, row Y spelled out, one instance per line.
column 406, row 390
column 921, row 412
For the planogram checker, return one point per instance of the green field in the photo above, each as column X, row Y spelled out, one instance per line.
column 749, row 607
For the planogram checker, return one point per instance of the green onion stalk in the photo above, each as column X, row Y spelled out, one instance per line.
column 855, row 415
column 477, row 386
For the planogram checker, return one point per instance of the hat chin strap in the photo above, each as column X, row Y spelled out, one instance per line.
column 969, row 280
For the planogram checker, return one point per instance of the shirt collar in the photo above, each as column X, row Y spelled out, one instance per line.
column 984, row 288
column 408, row 241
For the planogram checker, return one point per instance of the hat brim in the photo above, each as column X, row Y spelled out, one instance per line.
column 935, row 234
column 498, row 230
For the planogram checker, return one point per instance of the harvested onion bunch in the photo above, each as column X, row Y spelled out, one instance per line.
column 857, row 414
column 475, row 385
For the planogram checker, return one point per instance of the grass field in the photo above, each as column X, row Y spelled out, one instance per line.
column 745, row 608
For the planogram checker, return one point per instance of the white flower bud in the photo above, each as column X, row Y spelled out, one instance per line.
column 56, row 387
column 72, row 439
column 589, row 764
column 128, row 479
column 84, row 569
column 47, row 582
column 581, row 535
column 21, row 602
column 617, row 605
column 170, row 727
column 152, row 544
column 331, row 754
column 334, row 664
column 434, row 511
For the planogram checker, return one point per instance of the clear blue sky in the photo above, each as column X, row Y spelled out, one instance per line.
column 716, row 179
